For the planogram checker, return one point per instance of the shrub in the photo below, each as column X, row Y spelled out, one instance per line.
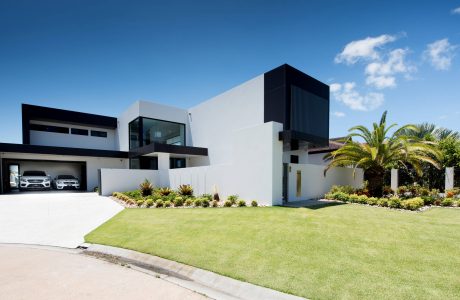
column 353, row 198
column 341, row 196
column 207, row 196
column 228, row 203
column 412, row 204
column 215, row 203
column 185, row 190
column 428, row 200
column 362, row 199
column 437, row 202
column 146, row 188
column 167, row 203
column 372, row 200
column 232, row 199
column 241, row 203
column 159, row 203
column 382, row 202
column 347, row 189
column 362, row 192
column 450, row 194
column 136, row 194
column 216, row 197
column 458, row 203
column 423, row 192
column 165, row 191
column 204, row 202
column 387, row 190
column 402, row 190
column 254, row 203
column 149, row 202
column 198, row 202
column 447, row 202
column 139, row 202
column 188, row 202
column 394, row 202
column 178, row 201
column 329, row 196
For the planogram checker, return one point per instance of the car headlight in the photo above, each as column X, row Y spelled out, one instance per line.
column 23, row 180
column 46, row 180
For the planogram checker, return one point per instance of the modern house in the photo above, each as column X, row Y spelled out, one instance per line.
column 251, row 140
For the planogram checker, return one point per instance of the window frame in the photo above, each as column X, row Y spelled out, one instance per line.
column 105, row 133
column 79, row 131
column 140, row 130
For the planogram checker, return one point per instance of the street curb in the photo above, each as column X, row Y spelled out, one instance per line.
column 202, row 281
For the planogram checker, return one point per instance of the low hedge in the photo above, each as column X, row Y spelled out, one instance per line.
column 135, row 198
column 392, row 202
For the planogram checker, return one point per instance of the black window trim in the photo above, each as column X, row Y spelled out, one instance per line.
column 79, row 131
column 104, row 133
column 43, row 127
column 141, row 127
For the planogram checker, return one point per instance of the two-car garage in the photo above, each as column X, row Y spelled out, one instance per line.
column 15, row 169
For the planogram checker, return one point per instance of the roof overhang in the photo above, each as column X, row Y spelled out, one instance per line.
column 37, row 149
column 165, row 148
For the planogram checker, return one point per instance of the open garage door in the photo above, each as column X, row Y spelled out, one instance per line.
column 13, row 169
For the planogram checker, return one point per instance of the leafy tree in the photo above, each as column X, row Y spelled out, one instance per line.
column 381, row 151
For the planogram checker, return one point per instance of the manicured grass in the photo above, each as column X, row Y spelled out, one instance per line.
column 336, row 252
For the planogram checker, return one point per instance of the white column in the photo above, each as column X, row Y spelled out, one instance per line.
column 449, row 179
column 163, row 161
column 394, row 179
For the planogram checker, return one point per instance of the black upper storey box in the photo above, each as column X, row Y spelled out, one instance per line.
column 300, row 103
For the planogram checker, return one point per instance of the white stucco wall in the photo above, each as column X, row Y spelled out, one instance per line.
column 316, row 159
column 92, row 163
column 213, row 122
column 313, row 182
column 254, row 174
column 44, row 138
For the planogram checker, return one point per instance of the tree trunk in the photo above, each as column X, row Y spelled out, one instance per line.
column 374, row 177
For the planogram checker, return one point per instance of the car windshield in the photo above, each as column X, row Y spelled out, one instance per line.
column 34, row 173
column 65, row 177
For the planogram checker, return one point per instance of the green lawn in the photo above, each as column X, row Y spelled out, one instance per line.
column 336, row 252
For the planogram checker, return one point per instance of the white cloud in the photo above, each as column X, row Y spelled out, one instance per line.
column 440, row 54
column 363, row 49
column 381, row 74
column 338, row 114
column 347, row 94
column 456, row 11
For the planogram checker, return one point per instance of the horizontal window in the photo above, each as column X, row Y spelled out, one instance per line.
column 98, row 133
column 79, row 131
column 49, row 128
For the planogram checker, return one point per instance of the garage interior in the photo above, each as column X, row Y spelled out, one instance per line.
column 12, row 169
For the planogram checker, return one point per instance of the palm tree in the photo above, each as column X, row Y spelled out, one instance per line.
column 429, row 132
column 381, row 151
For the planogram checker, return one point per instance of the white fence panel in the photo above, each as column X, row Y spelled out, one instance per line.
column 313, row 183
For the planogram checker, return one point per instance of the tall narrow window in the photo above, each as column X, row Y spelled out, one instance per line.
column 134, row 131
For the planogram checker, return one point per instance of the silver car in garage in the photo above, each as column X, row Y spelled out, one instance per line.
column 62, row 182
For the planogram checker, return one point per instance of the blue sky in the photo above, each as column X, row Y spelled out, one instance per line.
column 100, row 56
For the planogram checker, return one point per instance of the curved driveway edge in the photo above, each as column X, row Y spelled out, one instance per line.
column 197, row 279
column 56, row 219
column 34, row 272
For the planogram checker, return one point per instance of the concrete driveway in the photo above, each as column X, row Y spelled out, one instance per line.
column 56, row 219
column 37, row 273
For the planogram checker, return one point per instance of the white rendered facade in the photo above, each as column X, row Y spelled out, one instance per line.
column 243, row 141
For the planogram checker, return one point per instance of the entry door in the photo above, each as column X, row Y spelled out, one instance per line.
column 13, row 175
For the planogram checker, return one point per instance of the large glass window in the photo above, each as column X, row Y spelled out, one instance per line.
column 309, row 112
column 144, row 131
column 134, row 134
column 163, row 132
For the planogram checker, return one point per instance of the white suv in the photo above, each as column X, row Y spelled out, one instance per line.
column 66, row 182
column 34, row 180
